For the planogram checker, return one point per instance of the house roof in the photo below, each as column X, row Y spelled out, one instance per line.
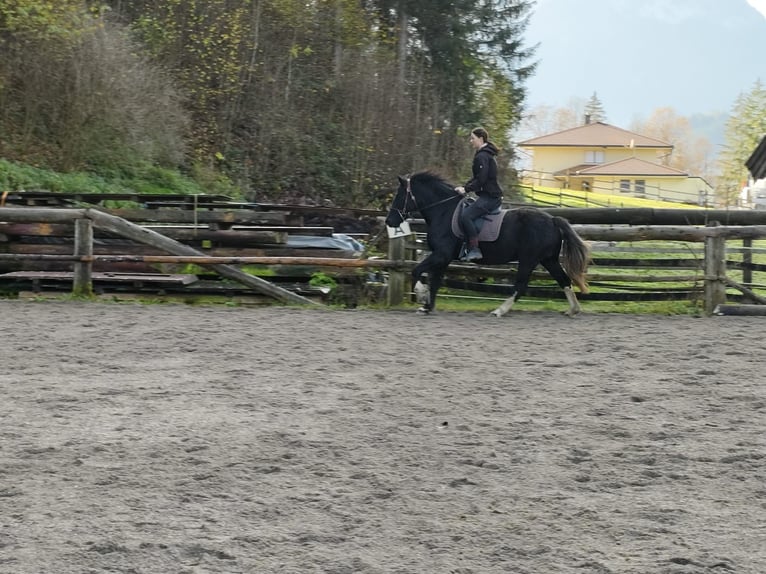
column 597, row 134
column 629, row 167
column 756, row 163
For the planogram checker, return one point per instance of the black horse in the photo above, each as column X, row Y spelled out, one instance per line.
column 527, row 235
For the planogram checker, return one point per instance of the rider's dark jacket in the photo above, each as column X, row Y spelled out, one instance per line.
column 484, row 180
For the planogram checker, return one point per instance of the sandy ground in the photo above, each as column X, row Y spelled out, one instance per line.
column 176, row 439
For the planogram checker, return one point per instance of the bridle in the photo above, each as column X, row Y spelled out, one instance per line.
column 404, row 213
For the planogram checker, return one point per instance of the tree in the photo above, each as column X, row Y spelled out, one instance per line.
column 744, row 129
column 594, row 110
column 80, row 94
column 544, row 119
column 310, row 99
column 691, row 152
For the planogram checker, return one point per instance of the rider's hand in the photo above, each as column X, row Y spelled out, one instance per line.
column 460, row 189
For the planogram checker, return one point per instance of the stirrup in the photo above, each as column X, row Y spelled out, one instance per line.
column 473, row 254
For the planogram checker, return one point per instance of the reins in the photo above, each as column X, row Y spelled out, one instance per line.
column 405, row 213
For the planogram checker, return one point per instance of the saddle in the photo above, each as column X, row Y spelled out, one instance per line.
column 488, row 225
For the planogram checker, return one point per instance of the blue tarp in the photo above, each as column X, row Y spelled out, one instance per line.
column 337, row 241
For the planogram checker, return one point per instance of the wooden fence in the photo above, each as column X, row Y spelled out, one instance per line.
column 706, row 268
column 43, row 236
column 270, row 226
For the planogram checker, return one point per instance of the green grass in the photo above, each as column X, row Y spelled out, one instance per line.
column 453, row 300
column 575, row 198
column 147, row 179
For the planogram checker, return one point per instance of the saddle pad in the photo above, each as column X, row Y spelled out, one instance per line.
column 488, row 225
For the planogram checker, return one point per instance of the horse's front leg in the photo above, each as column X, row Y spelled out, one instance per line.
column 434, row 265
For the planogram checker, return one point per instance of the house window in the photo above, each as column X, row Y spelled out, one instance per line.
column 640, row 187
column 624, row 186
column 594, row 156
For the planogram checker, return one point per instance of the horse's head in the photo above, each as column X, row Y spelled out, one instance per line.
column 403, row 204
column 423, row 191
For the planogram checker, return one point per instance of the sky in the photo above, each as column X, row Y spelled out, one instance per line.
column 695, row 56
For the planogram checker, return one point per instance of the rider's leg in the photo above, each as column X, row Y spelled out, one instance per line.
column 467, row 218
column 481, row 207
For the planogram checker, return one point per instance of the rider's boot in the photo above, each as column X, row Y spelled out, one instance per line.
column 473, row 252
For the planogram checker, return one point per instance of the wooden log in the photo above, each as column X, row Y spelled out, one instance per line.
column 227, row 237
column 749, row 292
column 38, row 229
column 651, row 216
column 741, row 310
column 138, row 250
column 66, row 248
column 117, row 225
column 221, row 217
column 94, row 198
column 669, row 233
column 261, row 234
column 134, row 278
column 82, row 284
column 37, row 214
column 38, row 257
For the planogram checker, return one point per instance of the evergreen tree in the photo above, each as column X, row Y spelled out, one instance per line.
column 594, row 110
column 744, row 129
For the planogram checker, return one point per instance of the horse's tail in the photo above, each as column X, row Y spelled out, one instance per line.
column 575, row 252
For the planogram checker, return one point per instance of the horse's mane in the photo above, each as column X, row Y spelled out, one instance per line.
column 433, row 180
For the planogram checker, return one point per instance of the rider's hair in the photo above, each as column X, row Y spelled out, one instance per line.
column 481, row 133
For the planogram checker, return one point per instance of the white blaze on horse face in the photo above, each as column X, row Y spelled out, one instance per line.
column 421, row 293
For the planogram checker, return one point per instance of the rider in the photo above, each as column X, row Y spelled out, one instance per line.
column 484, row 185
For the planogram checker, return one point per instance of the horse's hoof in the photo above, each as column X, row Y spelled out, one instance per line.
column 496, row 313
column 423, row 311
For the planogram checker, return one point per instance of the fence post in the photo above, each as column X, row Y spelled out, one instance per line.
column 747, row 262
column 82, row 280
column 715, row 271
column 396, row 278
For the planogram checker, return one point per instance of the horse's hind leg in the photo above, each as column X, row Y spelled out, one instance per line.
column 519, row 288
column 557, row 272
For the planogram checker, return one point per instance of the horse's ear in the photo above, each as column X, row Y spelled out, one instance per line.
column 402, row 181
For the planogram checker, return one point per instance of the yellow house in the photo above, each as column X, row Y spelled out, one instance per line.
column 606, row 159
